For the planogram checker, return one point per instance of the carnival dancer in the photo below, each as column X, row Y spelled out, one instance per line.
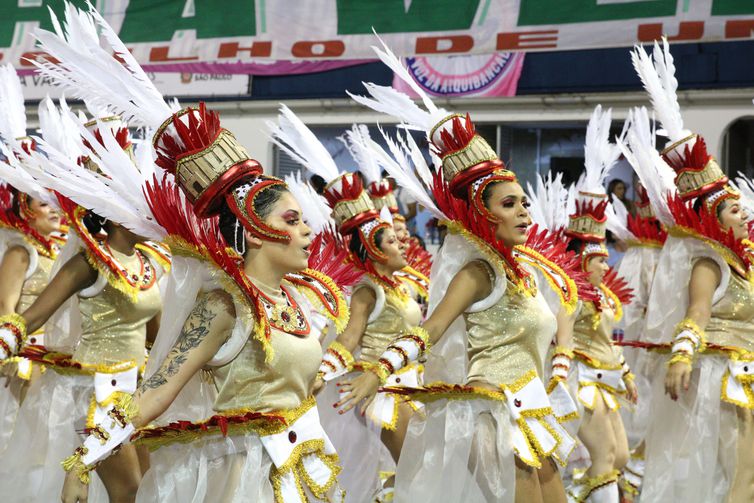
column 602, row 374
column 254, row 317
column 698, row 445
column 381, row 304
column 30, row 239
column 491, row 434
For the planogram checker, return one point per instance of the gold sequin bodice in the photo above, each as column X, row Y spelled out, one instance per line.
column 400, row 313
column 114, row 328
column 248, row 382
column 36, row 283
column 509, row 339
column 593, row 334
column 732, row 321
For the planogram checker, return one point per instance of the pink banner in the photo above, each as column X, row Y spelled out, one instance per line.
column 468, row 76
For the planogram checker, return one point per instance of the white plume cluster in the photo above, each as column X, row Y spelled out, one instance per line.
column 550, row 202
column 357, row 141
column 12, row 111
column 600, row 155
column 314, row 207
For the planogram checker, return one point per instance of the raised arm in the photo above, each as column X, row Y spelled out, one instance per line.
column 689, row 333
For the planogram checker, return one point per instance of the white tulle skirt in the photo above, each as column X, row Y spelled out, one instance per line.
column 691, row 443
column 461, row 452
column 46, row 432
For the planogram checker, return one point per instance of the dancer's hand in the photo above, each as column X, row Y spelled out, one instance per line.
column 632, row 392
column 74, row 491
column 363, row 388
column 677, row 379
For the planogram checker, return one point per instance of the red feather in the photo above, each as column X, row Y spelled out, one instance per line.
column 646, row 229
column 458, row 139
column 418, row 258
column 554, row 247
column 618, row 286
column 330, row 256
column 197, row 135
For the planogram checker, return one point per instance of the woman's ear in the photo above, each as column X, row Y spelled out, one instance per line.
column 252, row 241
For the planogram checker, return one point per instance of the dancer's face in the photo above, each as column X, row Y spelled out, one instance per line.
column 401, row 231
column 597, row 267
column 508, row 203
column 293, row 255
column 394, row 250
column 46, row 219
column 733, row 216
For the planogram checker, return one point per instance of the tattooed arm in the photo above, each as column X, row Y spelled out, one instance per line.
column 205, row 330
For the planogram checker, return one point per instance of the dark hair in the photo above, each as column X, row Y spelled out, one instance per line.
column 487, row 193
column 318, row 183
column 15, row 202
column 263, row 204
column 575, row 245
column 357, row 246
column 701, row 200
column 94, row 223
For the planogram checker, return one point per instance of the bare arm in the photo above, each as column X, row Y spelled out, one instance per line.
column 153, row 327
column 73, row 277
column 12, row 276
column 204, row 331
column 362, row 305
column 470, row 285
column 564, row 334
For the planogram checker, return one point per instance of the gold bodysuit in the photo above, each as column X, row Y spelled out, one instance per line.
column 593, row 335
column 36, row 283
column 399, row 314
column 510, row 338
column 248, row 382
column 732, row 320
column 114, row 328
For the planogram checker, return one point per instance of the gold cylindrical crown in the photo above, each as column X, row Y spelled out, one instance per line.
column 388, row 200
column 693, row 182
column 345, row 210
column 197, row 172
column 476, row 152
column 586, row 227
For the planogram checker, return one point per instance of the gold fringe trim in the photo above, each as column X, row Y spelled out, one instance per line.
column 594, row 483
column 536, row 259
column 343, row 314
column 617, row 305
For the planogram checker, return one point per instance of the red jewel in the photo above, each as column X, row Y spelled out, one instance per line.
column 286, row 317
column 292, row 437
column 599, row 375
column 33, row 340
column 517, row 402
column 113, row 382
column 397, row 380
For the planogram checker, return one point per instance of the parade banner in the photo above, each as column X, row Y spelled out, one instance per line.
column 233, row 32
column 467, row 76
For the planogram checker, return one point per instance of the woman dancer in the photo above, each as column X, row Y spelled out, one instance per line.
column 698, row 445
column 496, row 438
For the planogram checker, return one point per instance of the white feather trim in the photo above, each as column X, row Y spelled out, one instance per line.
column 12, row 111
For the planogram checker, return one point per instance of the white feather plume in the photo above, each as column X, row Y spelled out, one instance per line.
column 616, row 221
column 746, row 186
column 657, row 74
column 656, row 176
column 314, row 207
column 17, row 174
column 117, row 194
column 403, row 174
column 86, row 71
column 357, row 141
column 600, row 154
column 385, row 215
column 59, row 127
column 391, row 102
column 549, row 202
column 294, row 138
column 12, row 110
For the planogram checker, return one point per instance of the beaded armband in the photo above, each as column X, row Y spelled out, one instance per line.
column 404, row 350
column 561, row 362
column 688, row 340
column 12, row 335
column 336, row 362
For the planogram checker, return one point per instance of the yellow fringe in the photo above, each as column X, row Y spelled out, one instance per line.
column 536, row 259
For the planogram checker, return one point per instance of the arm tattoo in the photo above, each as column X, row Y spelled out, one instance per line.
column 193, row 333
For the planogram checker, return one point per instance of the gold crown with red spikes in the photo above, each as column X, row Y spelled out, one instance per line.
column 588, row 224
column 210, row 166
column 469, row 164
column 353, row 209
column 697, row 172
column 382, row 195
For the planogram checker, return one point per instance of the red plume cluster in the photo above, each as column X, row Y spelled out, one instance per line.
column 122, row 137
column 200, row 133
column 457, row 138
column 554, row 247
column 380, row 189
column 646, row 229
column 618, row 286
column 587, row 207
column 330, row 256
column 350, row 188
column 418, row 258
column 695, row 157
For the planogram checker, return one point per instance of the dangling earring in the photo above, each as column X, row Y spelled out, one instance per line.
column 235, row 239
